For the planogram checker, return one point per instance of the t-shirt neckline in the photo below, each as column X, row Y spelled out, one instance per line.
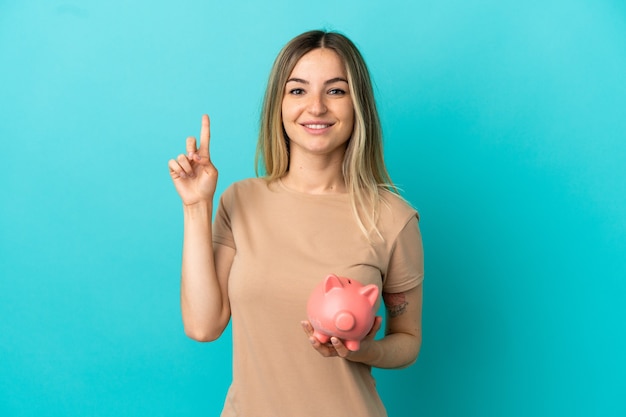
column 284, row 187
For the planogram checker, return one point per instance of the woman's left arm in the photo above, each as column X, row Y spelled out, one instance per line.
column 403, row 334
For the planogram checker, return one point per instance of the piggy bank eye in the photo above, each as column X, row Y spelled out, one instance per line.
column 349, row 282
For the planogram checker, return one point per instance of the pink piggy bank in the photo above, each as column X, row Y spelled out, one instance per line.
column 343, row 308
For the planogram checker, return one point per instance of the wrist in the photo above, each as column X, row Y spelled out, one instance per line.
column 369, row 354
column 200, row 209
column 198, row 204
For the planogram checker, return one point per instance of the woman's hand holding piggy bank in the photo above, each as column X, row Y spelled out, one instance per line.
column 343, row 308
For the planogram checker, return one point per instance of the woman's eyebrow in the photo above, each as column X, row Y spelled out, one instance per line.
column 331, row 81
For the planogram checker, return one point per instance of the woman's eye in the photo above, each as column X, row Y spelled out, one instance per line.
column 336, row 92
column 296, row 91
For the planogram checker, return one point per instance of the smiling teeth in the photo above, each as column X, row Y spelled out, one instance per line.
column 317, row 126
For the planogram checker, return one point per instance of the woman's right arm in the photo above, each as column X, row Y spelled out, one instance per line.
column 204, row 283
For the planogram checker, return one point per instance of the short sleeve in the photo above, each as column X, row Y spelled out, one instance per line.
column 406, row 262
column 222, row 228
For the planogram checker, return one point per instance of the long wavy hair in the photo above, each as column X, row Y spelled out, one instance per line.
column 364, row 170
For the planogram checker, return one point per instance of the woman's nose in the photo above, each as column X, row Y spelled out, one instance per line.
column 317, row 105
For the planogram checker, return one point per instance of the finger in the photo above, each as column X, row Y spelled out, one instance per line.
column 375, row 327
column 191, row 146
column 184, row 163
column 176, row 171
column 378, row 321
column 324, row 349
column 339, row 347
column 308, row 329
column 205, row 136
column 310, row 332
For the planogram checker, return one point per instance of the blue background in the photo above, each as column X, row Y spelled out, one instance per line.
column 505, row 126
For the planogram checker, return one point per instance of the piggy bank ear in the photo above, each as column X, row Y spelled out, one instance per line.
column 331, row 282
column 370, row 292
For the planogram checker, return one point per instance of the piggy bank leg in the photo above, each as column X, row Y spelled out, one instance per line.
column 323, row 338
column 352, row 345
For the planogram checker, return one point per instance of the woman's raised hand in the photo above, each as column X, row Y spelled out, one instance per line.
column 193, row 174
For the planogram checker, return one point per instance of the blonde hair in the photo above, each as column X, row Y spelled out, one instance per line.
column 363, row 167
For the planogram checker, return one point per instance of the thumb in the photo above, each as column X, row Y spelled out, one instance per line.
column 378, row 320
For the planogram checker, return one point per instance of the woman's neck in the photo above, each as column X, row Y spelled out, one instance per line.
column 315, row 176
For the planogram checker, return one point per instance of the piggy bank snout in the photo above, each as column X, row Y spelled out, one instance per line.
column 345, row 321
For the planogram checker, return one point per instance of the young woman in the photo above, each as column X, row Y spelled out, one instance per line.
column 325, row 204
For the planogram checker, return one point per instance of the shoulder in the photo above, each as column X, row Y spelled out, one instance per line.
column 246, row 191
column 247, row 184
column 245, row 187
column 395, row 208
column 395, row 213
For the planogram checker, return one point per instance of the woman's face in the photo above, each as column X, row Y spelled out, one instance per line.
column 317, row 109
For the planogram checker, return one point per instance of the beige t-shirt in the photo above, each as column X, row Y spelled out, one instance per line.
column 286, row 242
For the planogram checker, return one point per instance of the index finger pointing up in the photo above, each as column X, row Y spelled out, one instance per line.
column 205, row 135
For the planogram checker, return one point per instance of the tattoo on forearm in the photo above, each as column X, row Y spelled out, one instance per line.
column 396, row 304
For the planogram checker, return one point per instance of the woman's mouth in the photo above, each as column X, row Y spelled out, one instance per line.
column 316, row 126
